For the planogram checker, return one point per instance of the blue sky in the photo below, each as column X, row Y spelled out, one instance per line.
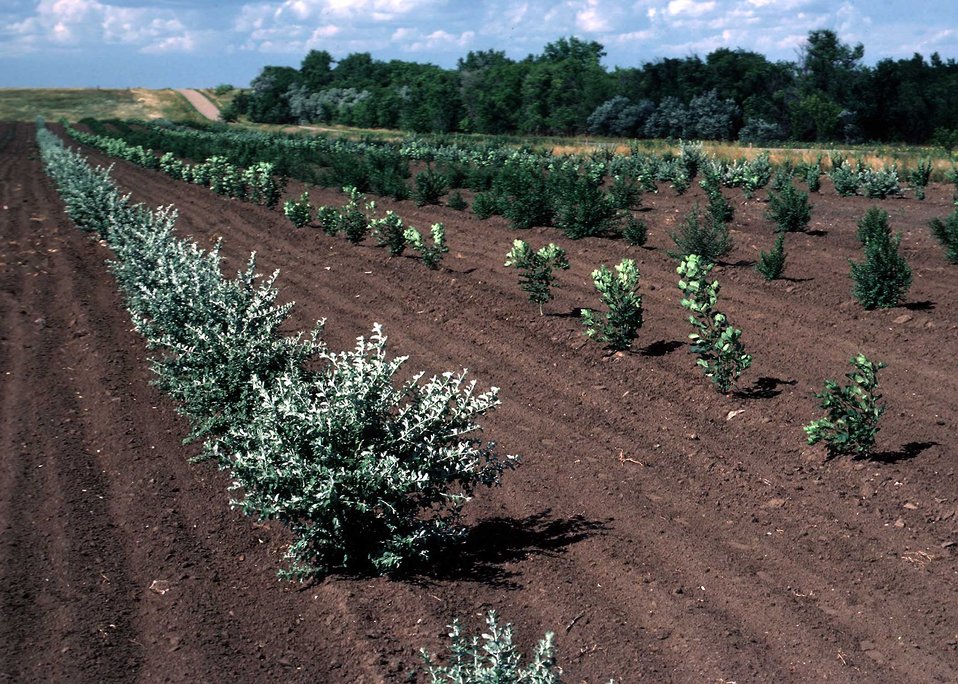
column 177, row 43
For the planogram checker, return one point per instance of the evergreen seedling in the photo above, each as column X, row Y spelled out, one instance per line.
column 772, row 264
column 853, row 411
column 709, row 239
column 457, row 202
column 535, row 269
column 430, row 187
column 946, row 232
column 717, row 343
column 919, row 177
column 789, row 209
column 624, row 316
column 882, row 280
column 298, row 211
column 636, row 231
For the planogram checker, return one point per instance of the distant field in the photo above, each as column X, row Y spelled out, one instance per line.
column 74, row 104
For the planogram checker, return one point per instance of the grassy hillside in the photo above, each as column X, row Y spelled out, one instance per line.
column 74, row 104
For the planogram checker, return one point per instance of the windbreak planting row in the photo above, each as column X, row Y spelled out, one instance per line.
column 368, row 473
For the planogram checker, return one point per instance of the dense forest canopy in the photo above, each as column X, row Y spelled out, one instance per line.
column 827, row 94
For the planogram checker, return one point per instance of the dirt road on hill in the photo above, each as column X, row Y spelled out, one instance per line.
column 201, row 103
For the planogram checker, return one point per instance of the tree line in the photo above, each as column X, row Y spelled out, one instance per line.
column 826, row 94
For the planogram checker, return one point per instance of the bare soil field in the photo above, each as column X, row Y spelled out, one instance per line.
column 663, row 531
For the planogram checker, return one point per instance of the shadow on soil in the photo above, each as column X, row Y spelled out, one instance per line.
column 925, row 305
column 764, row 388
column 905, row 453
column 575, row 313
column 494, row 542
column 661, row 347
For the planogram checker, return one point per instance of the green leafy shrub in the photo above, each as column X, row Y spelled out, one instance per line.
column 431, row 254
column 845, row 179
column 328, row 219
column 710, row 239
column 173, row 167
column 882, row 280
column 262, row 185
column 772, row 264
column 881, row 183
column 457, row 202
column 298, row 211
column 224, row 178
column 535, row 269
column 946, row 232
column 430, row 187
column 757, row 174
column 353, row 219
column 494, row 660
column 919, row 176
column 718, row 344
column 789, row 209
column 367, row 473
column 853, row 411
column 636, row 231
column 623, row 317
column 390, row 233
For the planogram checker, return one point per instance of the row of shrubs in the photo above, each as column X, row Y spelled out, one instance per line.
column 257, row 183
column 323, row 441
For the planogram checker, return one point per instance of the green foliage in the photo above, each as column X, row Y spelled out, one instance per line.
column 430, row 187
column 457, row 202
column 494, row 659
column 262, row 186
column 789, row 209
column 525, row 194
column 710, row 239
column 225, row 178
column 946, row 232
column 486, row 204
column 772, row 264
column 624, row 192
column 623, row 317
column 431, row 254
column 579, row 207
column 328, row 218
column 390, row 233
column 853, row 411
column 881, row 183
column 353, row 219
column 718, row 344
column 719, row 207
column 298, row 211
column 813, row 176
column 882, row 280
column 535, row 269
column 919, row 176
column 636, row 231
column 845, row 179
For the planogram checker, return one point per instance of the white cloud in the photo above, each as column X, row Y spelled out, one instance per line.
column 592, row 18
column 690, row 7
column 441, row 39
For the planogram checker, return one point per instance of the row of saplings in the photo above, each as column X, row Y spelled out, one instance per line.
column 339, row 454
column 367, row 473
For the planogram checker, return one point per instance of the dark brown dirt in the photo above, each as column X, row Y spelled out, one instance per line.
column 664, row 532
